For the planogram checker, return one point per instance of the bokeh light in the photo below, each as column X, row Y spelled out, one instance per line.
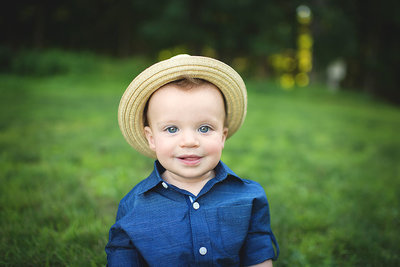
column 303, row 14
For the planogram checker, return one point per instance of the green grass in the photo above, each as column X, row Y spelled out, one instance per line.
column 328, row 162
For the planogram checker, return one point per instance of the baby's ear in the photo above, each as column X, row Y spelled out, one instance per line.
column 150, row 138
column 224, row 135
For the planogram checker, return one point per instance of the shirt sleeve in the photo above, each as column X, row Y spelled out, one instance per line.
column 120, row 250
column 260, row 241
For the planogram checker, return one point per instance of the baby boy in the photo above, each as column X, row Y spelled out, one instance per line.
column 192, row 210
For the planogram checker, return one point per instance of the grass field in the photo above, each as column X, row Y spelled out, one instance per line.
column 329, row 163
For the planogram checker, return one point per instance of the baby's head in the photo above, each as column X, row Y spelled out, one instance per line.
column 181, row 93
column 185, row 126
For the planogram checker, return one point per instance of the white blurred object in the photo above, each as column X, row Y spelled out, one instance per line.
column 336, row 71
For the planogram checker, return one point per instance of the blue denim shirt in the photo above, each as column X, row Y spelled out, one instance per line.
column 226, row 224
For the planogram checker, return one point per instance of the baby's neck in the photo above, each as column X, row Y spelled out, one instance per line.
column 192, row 185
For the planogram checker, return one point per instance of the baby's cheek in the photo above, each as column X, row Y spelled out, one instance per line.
column 163, row 148
column 215, row 148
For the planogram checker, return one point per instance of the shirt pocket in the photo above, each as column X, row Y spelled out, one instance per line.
column 233, row 225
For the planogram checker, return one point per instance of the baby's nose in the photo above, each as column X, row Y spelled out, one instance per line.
column 189, row 139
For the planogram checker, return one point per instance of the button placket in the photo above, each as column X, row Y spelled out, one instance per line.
column 201, row 234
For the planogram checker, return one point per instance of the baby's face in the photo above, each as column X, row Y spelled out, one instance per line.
column 186, row 130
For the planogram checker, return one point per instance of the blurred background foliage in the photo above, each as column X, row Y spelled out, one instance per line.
column 363, row 35
column 327, row 158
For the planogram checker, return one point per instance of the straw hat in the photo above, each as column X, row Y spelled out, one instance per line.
column 133, row 102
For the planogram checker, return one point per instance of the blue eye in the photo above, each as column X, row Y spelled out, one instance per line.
column 172, row 129
column 204, row 129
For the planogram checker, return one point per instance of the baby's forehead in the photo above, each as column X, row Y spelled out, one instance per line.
column 171, row 89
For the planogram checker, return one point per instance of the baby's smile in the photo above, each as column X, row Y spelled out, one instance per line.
column 190, row 160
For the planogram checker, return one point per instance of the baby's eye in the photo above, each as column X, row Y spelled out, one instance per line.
column 172, row 129
column 204, row 129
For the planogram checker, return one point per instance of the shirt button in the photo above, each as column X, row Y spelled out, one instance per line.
column 196, row 205
column 203, row 251
column 164, row 184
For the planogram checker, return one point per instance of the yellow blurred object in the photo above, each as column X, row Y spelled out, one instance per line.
column 284, row 62
column 287, row 81
column 305, row 64
column 302, row 79
column 289, row 64
column 304, row 53
column 293, row 67
column 304, row 41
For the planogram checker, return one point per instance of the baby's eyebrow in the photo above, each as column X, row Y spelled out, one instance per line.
column 166, row 123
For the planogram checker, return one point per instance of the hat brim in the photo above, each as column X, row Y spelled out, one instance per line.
column 133, row 101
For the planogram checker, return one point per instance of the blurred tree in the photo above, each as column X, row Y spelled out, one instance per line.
column 363, row 33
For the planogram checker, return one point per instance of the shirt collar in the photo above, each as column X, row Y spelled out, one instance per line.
column 222, row 171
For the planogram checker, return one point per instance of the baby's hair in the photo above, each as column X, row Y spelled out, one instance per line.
column 184, row 81
column 188, row 82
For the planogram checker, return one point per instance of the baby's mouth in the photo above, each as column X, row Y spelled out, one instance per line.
column 190, row 159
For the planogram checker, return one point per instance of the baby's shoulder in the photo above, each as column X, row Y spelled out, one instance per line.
column 138, row 189
column 129, row 201
column 252, row 186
